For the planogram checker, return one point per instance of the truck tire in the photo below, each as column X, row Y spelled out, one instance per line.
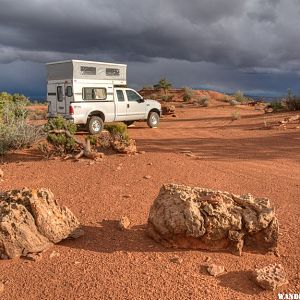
column 153, row 119
column 95, row 125
column 128, row 123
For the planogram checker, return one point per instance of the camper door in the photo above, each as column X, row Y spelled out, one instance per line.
column 61, row 99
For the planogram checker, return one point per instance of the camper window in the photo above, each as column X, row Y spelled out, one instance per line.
column 69, row 91
column 94, row 93
column 112, row 72
column 87, row 70
column 60, row 93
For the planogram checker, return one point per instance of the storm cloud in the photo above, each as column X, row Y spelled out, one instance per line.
column 256, row 39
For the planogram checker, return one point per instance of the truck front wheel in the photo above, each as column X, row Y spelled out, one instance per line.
column 153, row 119
column 95, row 125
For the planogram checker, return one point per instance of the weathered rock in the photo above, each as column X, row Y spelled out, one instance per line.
column 31, row 220
column 124, row 223
column 197, row 218
column 270, row 277
column 215, row 270
column 1, row 174
column 168, row 109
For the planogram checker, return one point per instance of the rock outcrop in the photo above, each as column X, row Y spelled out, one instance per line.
column 31, row 220
column 270, row 277
column 197, row 218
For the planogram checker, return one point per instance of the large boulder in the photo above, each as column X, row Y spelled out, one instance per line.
column 197, row 218
column 31, row 220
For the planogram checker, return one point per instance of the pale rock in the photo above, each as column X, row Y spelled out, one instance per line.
column 198, row 218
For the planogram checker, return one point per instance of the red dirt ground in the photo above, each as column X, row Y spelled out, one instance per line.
column 237, row 156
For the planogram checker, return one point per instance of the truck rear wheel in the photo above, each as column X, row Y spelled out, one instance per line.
column 153, row 119
column 95, row 125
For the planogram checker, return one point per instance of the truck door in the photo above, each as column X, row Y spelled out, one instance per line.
column 121, row 105
column 61, row 99
column 136, row 107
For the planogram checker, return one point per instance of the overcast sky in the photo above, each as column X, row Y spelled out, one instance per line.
column 227, row 45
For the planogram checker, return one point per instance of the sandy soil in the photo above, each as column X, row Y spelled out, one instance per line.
column 237, row 156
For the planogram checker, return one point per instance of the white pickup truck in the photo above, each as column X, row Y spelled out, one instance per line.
column 91, row 93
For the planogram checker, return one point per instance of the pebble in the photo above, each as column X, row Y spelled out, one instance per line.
column 215, row 270
column 176, row 260
column 147, row 177
column 54, row 254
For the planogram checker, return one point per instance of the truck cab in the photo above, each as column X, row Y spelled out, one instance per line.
column 91, row 93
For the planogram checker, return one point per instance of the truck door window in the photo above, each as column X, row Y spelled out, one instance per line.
column 120, row 95
column 94, row 93
column 60, row 93
column 132, row 96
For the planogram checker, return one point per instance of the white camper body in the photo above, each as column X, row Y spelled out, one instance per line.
column 94, row 92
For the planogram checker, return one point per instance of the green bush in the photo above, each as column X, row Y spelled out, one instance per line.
column 167, row 98
column 239, row 97
column 293, row 103
column 187, row 94
column 202, row 101
column 118, row 130
column 12, row 107
column 276, row 105
column 56, row 129
column 15, row 133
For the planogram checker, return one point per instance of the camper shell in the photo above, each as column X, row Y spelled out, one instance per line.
column 79, row 90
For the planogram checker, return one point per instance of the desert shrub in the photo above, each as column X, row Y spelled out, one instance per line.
column 167, row 98
column 202, row 101
column 293, row 103
column 15, row 133
column 118, row 130
column 12, row 107
column 235, row 116
column 164, row 85
column 37, row 115
column 239, row 97
column 276, row 105
column 56, row 129
column 187, row 94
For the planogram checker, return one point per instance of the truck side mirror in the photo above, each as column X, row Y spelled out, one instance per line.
column 141, row 100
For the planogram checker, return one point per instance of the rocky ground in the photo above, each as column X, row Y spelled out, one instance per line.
column 241, row 156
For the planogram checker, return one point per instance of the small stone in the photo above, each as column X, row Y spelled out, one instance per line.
column 119, row 168
column 127, row 196
column 54, row 254
column 33, row 257
column 176, row 260
column 149, row 164
column 1, row 174
column 147, row 177
column 2, row 287
column 124, row 223
column 141, row 152
column 174, row 116
column 215, row 270
column 270, row 277
column 76, row 262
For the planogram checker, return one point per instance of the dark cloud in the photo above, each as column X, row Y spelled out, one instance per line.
column 250, row 35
